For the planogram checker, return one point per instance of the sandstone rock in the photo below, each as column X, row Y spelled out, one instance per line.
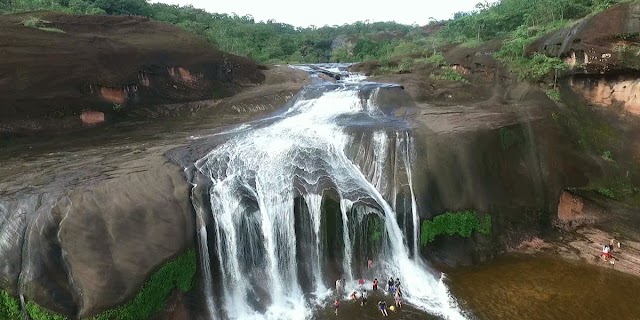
column 108, row 64
column 575, row 211
column 86, row 250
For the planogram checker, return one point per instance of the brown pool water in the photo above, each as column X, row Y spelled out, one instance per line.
column 545, row 287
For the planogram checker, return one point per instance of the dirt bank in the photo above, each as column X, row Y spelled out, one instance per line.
column 77, row 70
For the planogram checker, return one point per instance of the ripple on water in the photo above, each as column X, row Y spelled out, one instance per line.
column 545, row 287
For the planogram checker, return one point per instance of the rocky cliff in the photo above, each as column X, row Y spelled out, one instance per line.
column 59, row 72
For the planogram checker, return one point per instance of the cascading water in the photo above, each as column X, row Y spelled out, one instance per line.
column 256, row 178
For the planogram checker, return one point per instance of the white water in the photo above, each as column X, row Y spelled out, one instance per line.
column 254, row 180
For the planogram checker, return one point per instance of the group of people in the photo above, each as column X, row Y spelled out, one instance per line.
column 607, row 251
column 393, row 287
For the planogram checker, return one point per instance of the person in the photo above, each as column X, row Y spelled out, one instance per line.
column 392, row 291
column 398, row 298
column 390, row 284
column 375, row 284
column 353, row 296
column 397, row 283
column 361, row 283
column 369, row 263
column 606, row 252
column 365, row 295
column 382, row 306
column 336, row 304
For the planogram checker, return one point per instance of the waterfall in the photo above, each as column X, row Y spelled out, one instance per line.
column 307, row 154
column 414, row 206
column 203, row 250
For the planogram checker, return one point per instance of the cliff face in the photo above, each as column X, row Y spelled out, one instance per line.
column 67, row 70
column 602, row 54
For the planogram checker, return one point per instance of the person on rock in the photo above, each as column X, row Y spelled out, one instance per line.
column 382, row 306
column 390, row 284
column 336, row 304
column 398, row 298
column 365, row 295
column 375, row 284
column 606, row 253
column 397, row 283
column 353, row 296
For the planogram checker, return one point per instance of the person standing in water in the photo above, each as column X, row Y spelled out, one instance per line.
column 336, row 304
column 375, row 284
column 338, row 286
column 365, row 295
column 398, row 298
column 360, row 283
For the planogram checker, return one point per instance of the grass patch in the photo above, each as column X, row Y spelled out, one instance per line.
column 9, row 306
column 37, row 23
column 554, row 94
column 462, row 223
column 449, row 74
column 607, row 155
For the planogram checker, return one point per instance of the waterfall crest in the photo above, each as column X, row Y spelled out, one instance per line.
column 310, row 197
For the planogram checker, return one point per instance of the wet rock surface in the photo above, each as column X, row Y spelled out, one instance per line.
column 84, row 220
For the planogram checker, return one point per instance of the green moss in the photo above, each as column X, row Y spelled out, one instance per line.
column 178, row 273
column 462, row 223
column 38, row 313
column 9, row 306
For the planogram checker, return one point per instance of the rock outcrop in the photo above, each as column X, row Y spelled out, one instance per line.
column 96, row 68
column 89, row 246
column 602, row 54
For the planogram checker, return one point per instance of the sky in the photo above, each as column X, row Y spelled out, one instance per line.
column 303, row 13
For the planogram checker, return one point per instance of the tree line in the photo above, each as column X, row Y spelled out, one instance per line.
column 515, row 21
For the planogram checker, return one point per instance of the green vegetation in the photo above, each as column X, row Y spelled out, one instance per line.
column 37, row 23
column 176, row 274
column 38, row 313
column 449, row 74
column 554, row 94
column 518, row 23
column 607, row 155
column 462, row 223
column 9, row 306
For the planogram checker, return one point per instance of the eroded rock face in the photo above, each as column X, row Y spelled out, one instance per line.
column 90, row 249
column 575, row 211
column 603, row 43
column 607, row 92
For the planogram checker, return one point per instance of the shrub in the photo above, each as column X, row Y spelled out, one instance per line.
column 462, row 223
column 607, row 155
column 37, row 23
column 436, row 59
column 9, row 306
column 606, row 192
column 554, row 94
column 448, row 74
